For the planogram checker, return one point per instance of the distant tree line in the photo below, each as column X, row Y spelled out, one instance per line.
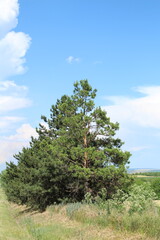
column 150, row 174
column 76, row 153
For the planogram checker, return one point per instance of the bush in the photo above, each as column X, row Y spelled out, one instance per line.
column 156, row 186
column 140, row 198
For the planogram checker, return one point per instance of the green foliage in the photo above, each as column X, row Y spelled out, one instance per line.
column 76, row 153
column 137, row 200
column 134, row 211
column 155, row 184
column 140, row 198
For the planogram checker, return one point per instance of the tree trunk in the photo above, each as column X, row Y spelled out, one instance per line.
column 85, row 153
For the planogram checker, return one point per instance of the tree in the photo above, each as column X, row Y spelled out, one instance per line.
column 76, row 153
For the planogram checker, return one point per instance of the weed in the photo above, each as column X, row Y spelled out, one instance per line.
column 72, row 208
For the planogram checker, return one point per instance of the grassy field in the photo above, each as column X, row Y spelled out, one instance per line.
column 72, row 222
column 146, row 178
column 10, row 229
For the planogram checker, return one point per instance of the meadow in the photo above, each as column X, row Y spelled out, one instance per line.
column 82, row 221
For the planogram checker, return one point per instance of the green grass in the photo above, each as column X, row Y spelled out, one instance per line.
column 150, row 174
column 76, row 222
column 145, row 178
column 52, row 231
column 9, row 228
column 69, row 222
column 147, row 223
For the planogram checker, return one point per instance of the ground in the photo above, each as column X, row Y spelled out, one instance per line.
column 17, row 223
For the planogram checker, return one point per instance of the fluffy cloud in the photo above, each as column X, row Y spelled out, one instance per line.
column 72, row 59
column 12, row 97
column 7, row 122
column 9, row 103
column 12, row 88
column 13, row 48
column 13, row 45
column 139, row 119
column 14, row 143
column 23, row 133
column 141, row 111
column 8, row 15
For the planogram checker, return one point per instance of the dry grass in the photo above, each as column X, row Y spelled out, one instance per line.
column 56, row 223
column 157, row 202
column 79, row 230
column 143, row 176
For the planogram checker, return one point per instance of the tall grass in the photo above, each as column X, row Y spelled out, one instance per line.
column 146, row 222
column 132, row 215
column 135, row 212
column 49, row 231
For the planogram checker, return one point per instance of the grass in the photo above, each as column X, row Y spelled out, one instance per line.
column 144, row 178
column 9, row 227
column 147, row 223
column 58, row 222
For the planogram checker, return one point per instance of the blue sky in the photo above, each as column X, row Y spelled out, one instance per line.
column 45, row 46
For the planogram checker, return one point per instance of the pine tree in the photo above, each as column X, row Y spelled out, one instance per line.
column 76, row 153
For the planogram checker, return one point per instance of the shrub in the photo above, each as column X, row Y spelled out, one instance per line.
column 156, row 186
column 140, row 198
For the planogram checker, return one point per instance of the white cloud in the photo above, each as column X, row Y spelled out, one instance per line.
column 12, row 97
column 10, row 103
column 13, row 48
column 23, row 133
column 13, row 144
column 142, row 111
column 8, row 149
column 9, row 10
column 13, row 45
column 7, row 121
column 10, row 85
column 139, row 119
column 72, row 59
